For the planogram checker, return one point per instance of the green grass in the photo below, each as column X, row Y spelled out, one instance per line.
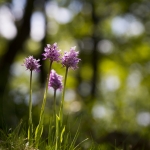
column 17, row 139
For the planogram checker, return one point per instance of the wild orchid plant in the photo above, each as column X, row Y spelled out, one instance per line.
column 33, row 65
column 55, row 82
column 69, row 60
column 53, row 54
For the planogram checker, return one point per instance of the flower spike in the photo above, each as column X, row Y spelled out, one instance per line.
column 70, row 59
column 51, row 52
column 32, row 64
column 55, row 80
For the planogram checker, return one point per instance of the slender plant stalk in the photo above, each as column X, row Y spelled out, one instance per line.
column 63, row 95
column 56, row 136
column 45, row 94
column 30, row 127
column 55, row 104
column 40, row 125
column 57, row 133
column 59, row 119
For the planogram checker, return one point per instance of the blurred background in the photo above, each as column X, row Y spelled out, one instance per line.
column 109, row 92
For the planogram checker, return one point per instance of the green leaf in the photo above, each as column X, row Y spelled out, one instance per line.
column 61, row 136
column 38, row 133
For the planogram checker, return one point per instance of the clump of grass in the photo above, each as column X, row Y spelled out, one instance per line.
column 17, row 139
column 13, row 139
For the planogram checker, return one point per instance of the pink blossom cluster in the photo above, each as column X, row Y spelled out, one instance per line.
column 55, row 80
column 51, row 52
column 31, row 64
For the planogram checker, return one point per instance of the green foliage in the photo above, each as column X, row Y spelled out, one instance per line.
column 16, row 139
column 13, row 139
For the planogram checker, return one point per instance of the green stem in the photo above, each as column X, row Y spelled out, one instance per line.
column 55, row 104
column 45, row 94
column 63, row 95
column 55, row 120
column 39, row 128
column 30, row 127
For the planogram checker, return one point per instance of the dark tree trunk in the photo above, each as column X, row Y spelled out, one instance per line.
column 14, row 46
column 95, row 55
